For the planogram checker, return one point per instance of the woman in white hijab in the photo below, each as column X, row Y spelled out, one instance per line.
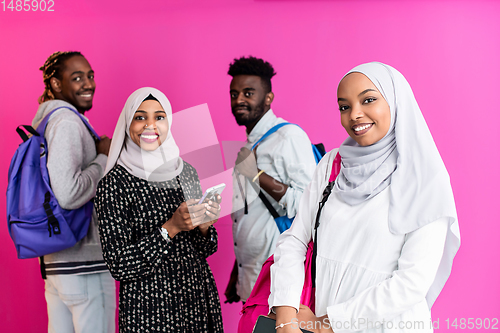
column 388, row 232
column 155, row 236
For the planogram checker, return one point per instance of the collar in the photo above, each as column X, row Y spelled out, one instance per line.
column 46, row 107
column 265, row 123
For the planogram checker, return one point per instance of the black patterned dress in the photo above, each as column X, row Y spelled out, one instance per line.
column 164, row 286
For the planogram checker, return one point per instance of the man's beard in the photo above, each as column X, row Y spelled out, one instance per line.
column 252, row 116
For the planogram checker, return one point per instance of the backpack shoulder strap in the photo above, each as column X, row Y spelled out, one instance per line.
column 269, row 132
column 266, row 202
column 43, row 124
column 25, row 136
column 328, row 189
column 337, row 162
column 326, row 193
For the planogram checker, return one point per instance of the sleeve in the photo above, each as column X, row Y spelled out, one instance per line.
column 206, row 246
column 409, row 284
column 287, row 272
column 73, row 185
column 125, row 259
column 295, row 159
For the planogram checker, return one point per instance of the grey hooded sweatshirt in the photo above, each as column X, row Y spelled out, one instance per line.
column 75, row 169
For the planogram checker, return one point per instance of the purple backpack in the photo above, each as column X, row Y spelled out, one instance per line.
column 37, row 224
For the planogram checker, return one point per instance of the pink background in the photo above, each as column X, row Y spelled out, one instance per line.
column 448, row 50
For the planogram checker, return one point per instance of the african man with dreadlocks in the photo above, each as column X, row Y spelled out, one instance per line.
column 79, row 289
column 281, row 165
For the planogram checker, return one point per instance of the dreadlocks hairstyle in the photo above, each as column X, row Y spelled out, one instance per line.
column 253, row 66
column 53, row 67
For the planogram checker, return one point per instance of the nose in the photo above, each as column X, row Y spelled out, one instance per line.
column 151, row 124
column 356, row 113
column 88, row 83
column 240, row 99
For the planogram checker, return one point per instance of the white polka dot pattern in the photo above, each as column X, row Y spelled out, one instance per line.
column 164, row 286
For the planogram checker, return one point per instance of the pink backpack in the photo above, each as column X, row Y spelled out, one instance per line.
column 257, row 303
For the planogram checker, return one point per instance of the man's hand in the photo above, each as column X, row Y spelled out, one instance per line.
column 246, row 163
column 102, row 146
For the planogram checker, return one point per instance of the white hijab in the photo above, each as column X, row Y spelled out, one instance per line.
column 407, row 159
column 159, row 165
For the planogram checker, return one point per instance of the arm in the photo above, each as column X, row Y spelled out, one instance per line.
column 409, row 284
column 125, row 259
column 295, row 157
column 294, row 160
column 73, row 185
column 274, row 187
column 287, row 272
column 204, row 237
column 246, row 165
column 207, row 244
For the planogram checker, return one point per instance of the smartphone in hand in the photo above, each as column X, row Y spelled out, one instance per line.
column 212, row 192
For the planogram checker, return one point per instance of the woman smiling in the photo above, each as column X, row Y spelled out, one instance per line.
column 388, row 232
column 154, row 234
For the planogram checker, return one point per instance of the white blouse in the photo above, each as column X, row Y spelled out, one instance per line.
column 367, row 279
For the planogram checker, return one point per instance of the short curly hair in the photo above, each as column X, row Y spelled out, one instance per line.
column 253, row 66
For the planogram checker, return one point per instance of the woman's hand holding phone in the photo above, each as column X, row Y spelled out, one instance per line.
column 187, row 216
column 212, row 213
column 201, row 213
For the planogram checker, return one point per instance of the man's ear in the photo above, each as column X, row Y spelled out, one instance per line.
column 269, row 98
column 55, row 84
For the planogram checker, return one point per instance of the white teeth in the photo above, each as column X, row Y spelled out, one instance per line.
column 357, row 129
column 149, row 137
column 86, row 95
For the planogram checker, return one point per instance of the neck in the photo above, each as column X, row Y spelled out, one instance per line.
column 59, row 96
column 80, row 110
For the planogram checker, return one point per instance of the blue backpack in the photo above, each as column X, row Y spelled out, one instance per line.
column 284, row 222
column 37, row 224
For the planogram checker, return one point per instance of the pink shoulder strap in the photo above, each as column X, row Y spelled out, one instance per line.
column 335, row 167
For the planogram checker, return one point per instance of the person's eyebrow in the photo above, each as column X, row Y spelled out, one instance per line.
column 142, row 111
column 365, row 91
column 361, row 93
column 244, row 89
column 81, row 72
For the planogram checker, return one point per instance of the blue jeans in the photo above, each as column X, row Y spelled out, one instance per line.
column 81, row 303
